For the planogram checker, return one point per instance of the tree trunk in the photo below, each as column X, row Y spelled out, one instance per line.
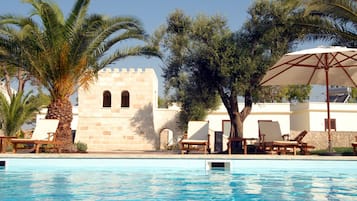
column 61, row 109
column 7, row 81
column 236, row 125
column 237, row 119
column 236, row 133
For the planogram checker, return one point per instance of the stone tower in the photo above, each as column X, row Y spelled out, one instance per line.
column 116, row 112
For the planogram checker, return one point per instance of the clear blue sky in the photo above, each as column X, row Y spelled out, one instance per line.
column 152, row 14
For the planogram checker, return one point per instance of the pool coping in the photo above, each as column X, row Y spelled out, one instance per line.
column 164, row 155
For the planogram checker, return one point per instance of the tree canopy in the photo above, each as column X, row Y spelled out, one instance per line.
column 17, row 110
column 64, row 53
column 206, row 59
column 336, row 21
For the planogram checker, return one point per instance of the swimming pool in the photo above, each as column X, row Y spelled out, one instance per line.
column 177, row 179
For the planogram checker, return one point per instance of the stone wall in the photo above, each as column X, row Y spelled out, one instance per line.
column 116, row 127
column 320, row 139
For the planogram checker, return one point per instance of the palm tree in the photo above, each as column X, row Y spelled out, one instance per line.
column 66, row 53
column 11, row 60
column 336, row 19
column 17, row 111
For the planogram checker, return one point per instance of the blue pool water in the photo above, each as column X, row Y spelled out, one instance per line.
column 177, row 179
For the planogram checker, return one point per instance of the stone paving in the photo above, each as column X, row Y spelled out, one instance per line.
column 166, row 155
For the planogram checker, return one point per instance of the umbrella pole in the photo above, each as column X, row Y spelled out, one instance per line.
column 328, row 112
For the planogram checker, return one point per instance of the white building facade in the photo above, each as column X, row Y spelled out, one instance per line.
column 119, row 112
column 311, row 116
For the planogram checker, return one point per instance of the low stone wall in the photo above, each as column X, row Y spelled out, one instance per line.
column 320, row 139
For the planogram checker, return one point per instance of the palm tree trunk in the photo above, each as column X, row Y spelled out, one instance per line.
column 61, row 109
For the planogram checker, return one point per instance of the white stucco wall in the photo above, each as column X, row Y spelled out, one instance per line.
column 167, row 119
column 300, row 118
column 311, row 116
column 261, row 111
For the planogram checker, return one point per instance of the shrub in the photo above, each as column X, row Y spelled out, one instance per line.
column 81, row 147
column 344, row 151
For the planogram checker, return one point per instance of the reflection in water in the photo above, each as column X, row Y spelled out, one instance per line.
column 251, row 184
column 176, row 185
column 221, row 188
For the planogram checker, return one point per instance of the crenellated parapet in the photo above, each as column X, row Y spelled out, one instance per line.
column 118, row 76
column 128, row 70
column 141, row 84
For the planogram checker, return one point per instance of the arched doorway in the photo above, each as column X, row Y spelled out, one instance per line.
column 166, row 139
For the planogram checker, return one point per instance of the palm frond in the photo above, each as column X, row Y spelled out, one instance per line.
column 17, row 110
column 74, row 24
column 127, row 52
column 342, row 10
column 61, row 53
column 52, row 20
column 340, row 19
column 77, row 15
column 109, row 27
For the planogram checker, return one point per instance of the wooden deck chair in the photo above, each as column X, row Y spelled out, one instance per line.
column 354, row 146
column 304, row 147
column 271, row 139
column 197, row 137
column 43, row 134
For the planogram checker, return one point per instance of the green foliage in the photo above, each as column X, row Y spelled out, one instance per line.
column 330, row 20
column 162, row 102
column 17, row 111
column 66, row 53
column 41, row 98
column 353, row 98
column 298, row 93
column 81, row 147
column 270, row 32
column 345, row 151
column 186, row 83
column 205, row 59
column 334, row 20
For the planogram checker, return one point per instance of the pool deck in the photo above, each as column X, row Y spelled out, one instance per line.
column 172, row 155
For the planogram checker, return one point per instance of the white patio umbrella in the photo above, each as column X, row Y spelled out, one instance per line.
column 322, row 66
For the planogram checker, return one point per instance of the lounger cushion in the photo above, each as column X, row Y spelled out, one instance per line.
column 285, row 142
column 186, row 141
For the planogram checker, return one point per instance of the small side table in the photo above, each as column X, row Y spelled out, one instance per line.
column 244, row 142
column 4, row 141
column 354, row 145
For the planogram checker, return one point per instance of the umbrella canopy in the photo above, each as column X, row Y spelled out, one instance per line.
column 321, row 66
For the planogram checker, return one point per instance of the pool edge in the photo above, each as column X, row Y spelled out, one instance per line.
column 178, row 156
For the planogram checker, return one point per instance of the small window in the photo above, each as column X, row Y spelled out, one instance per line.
column 107, row 99
column 333, row 124
column 125, row 99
